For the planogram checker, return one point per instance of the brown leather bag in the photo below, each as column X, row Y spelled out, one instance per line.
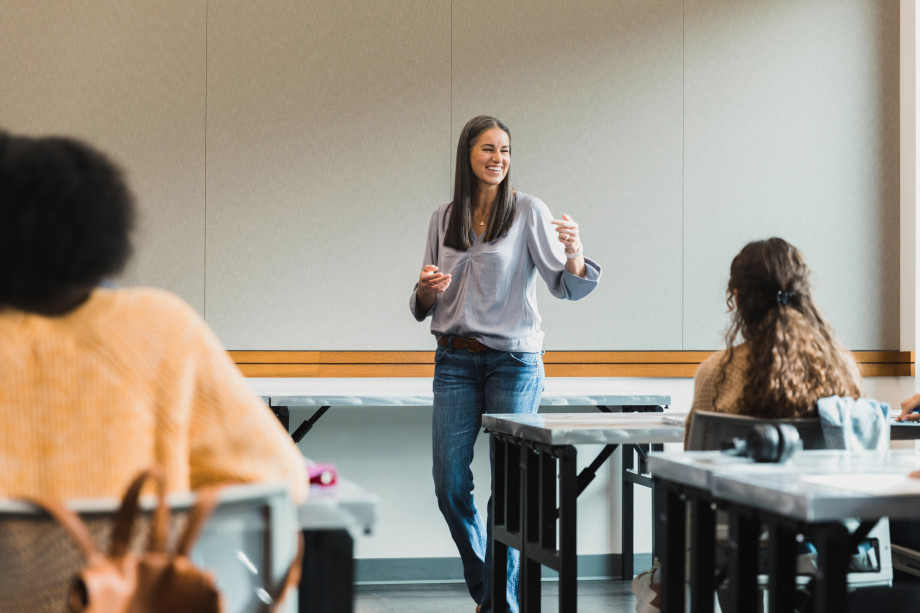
column 157, row 580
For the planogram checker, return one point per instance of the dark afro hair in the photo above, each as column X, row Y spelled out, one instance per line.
column 66, row 216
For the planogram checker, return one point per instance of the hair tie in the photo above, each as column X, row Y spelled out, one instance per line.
column 783, row 297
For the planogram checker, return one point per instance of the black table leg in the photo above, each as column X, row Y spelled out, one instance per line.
column 672, row 530
column 781, row 566
column 505, row 519
column 308, row 424
column 284, row 416
column 650, row 483
column 327, row 576
column 702, row 552
column 568, row 568
column 834, row 546
column 627, row 514
column 532, row 498
column 743, row 536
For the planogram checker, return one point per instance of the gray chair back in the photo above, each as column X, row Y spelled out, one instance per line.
column 253, row 527
column 710, row 430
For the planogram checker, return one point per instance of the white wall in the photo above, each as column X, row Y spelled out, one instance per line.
column 287, row 155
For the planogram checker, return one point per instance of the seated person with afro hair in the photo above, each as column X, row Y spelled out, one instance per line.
column 98, row 383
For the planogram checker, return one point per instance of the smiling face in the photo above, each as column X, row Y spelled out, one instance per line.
column 490, row 157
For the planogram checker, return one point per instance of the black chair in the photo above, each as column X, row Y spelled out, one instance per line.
column 711, row 431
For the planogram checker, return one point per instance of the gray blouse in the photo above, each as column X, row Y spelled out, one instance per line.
column 492, row 294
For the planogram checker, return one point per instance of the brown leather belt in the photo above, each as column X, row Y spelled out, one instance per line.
column 459, row 342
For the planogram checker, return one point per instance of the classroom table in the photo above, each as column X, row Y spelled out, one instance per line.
column 535, row 488
column 328, row 519
column 813, row 493
column 607, row 394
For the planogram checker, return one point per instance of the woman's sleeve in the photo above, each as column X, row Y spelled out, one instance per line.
column 548, row 255
column 233, row 435
column 431, row 257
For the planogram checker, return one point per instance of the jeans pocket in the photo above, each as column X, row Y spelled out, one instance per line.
column 439, row 353
column 525, row 359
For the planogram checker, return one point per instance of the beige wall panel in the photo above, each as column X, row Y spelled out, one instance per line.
column 328, row 148
column 792, row 130
column 591, row 91
column 130, row 78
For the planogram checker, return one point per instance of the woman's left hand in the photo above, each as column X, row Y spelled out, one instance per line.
column 568, row 234
column 908, row 406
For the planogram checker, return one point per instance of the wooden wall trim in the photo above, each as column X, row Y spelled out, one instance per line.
column 557, row 363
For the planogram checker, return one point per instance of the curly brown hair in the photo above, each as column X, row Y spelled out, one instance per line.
column 794, row 358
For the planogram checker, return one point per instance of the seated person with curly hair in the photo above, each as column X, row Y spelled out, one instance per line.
column 788, row 358
column 98, row 383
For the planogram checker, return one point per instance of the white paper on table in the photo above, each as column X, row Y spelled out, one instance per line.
column 868, row 483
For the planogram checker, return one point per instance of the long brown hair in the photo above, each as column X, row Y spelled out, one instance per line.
column 460, row 222
column 793, row 358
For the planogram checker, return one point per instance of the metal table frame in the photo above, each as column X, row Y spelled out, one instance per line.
column 535, row 489
column 324, row 393
column 692, row 485
column 686, row 512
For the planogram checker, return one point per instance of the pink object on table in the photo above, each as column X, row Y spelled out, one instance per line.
column 322, row 474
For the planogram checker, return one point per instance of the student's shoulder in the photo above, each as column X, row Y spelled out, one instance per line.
column 710, row 365
column 735, row 369
column 147, row 302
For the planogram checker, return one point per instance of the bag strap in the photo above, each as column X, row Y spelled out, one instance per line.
column 124, row 518
column 71, row 523
column 207, row 499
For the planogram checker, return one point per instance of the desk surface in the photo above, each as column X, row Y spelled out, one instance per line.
column 590, row 428
column 416, row 391
column 343, row 505
column 813, row 486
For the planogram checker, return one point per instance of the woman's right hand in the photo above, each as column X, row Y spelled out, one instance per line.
column 431, row 283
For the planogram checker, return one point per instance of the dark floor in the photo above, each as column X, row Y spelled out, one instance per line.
column 608, row 596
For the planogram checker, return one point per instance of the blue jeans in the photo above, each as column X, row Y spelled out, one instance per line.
column 467, row 385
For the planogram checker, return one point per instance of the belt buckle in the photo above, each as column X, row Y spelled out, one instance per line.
column 466, row 344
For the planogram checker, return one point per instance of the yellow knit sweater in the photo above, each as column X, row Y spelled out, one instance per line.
column 132, row 378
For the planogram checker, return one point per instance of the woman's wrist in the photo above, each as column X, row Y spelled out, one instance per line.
column 426, row 299
column 574, row 254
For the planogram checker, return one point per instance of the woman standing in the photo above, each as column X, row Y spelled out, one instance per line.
column 478, row 284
